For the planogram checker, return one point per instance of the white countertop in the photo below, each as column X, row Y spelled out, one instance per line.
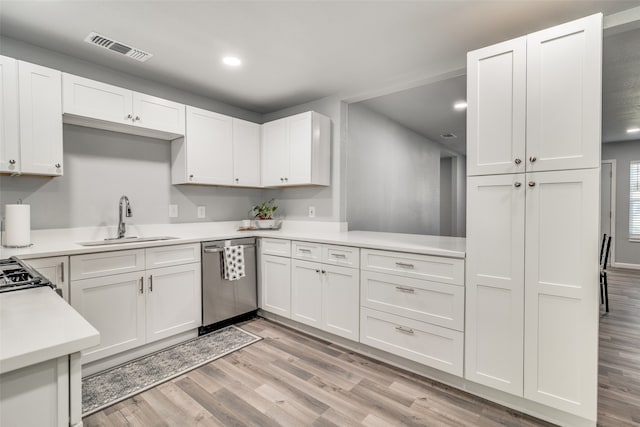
column 58, row 242
column 38, row 325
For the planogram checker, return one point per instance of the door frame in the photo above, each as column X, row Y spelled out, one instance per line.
column 612, row 220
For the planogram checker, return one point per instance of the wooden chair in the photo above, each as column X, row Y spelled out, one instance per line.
column 604, row 259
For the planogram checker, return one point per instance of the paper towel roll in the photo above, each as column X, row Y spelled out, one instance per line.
column 17, row 225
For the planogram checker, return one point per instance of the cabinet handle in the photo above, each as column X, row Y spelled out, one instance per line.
column 407, row 290
column 62, row 272
column 317, row 271
column 286, row 179
column 517, row 161
column 136, row 118
column 532, row 184
column 151, row 283
column 404, row 330
column 191, row 176
column 532, row 159
column 517, row 184
column 58, row 165
column 12, row 162
column 308, row 251
column 141, row 284
column 129, row 116
column 237, row 179
column 405, row 265
column 324, row 271
column 339, row 256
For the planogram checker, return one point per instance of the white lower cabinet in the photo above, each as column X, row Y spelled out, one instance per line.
column 431, row 345
column 56, row 269
column 326, row 297
column 37, row 395
column 138, row 307
column 275, row 280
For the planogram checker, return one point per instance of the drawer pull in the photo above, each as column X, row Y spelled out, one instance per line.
column 141, row 285
column 307, row 251
column 342, row 256
column 404, row 330
column 61, row 272
column 408, row 290
column 404, row 264
column 151, row 283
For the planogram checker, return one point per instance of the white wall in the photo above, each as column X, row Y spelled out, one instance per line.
column 626, row 252
column 393, row 176
column 100, row 166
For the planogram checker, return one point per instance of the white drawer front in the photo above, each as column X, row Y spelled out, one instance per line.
column 166, row 256
column 277, row 247
column 440, row 348
column 341, row 255
column 305, row 250
column 437, row 303
column 106, row 263
column 438, row 269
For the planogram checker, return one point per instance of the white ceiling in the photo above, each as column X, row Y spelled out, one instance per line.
column 293, row 51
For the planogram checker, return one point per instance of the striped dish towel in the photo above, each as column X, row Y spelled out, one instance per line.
column 233, row 262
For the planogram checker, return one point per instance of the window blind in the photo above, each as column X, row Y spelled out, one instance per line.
column 634, row 199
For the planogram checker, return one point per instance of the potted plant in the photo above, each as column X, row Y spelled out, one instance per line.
column 263, row 213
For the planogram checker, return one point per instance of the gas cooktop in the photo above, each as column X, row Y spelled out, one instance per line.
column 15, row 275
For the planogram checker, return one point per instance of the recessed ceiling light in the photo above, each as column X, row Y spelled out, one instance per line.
column 460, row 105
column 633, row 130
column 448, row 136
column 232, row 61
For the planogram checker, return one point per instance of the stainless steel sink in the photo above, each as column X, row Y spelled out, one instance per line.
column 119, row 241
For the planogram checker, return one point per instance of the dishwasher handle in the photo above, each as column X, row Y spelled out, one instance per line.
column 219, row 249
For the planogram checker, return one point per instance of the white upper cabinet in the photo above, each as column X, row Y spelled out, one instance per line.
column 564, row 90
column 94, row 104
column 9, row 122
column 217, row 150
column 534, row 103
column 246, row 153
column 40, row 99
column 296, row 151
column 496, row 98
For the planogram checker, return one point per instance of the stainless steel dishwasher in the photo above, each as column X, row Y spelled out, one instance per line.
column 227, row 301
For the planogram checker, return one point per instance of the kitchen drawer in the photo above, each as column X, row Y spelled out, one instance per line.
column 431, row 345
column 278, row 247
column 436, row 303
column 306, row 251
column 106, row 263
column 165, row 256
column 438, row 269
column 341, row 255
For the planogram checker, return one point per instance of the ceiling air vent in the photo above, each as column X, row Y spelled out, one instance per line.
column 448, row 136
column 107, row 43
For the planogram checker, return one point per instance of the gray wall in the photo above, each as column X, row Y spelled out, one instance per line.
column 623, row 152
column 447, row 196
column 328, row 201
column 393, row 176
column 100, row 166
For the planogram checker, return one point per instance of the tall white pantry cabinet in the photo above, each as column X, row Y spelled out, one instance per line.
column 533, row 121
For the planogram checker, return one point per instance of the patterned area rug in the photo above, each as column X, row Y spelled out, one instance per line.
column 111, row 386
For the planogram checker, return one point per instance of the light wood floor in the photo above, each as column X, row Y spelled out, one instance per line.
column 619, row 369
column 291, row 379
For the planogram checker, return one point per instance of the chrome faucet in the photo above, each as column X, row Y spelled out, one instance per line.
column 124, row 202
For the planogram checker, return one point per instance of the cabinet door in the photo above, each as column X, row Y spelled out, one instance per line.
column 275, row 285
column 306, row 292
column 496, row 97
column 299, row 139
column 275, row 153
column 56, row 269
column 158, row 114
column 9, row 124
column 173, row 300
column 341, row 301
column 564, row 89
column 209, row 147
column 561, row 290
column 495, row 281
column 88, row 98
column 40, row 119
column 114, row 305
column 37, row 395
column 246, row 153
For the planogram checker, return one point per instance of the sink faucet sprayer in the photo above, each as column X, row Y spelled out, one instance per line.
column 124, row 202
